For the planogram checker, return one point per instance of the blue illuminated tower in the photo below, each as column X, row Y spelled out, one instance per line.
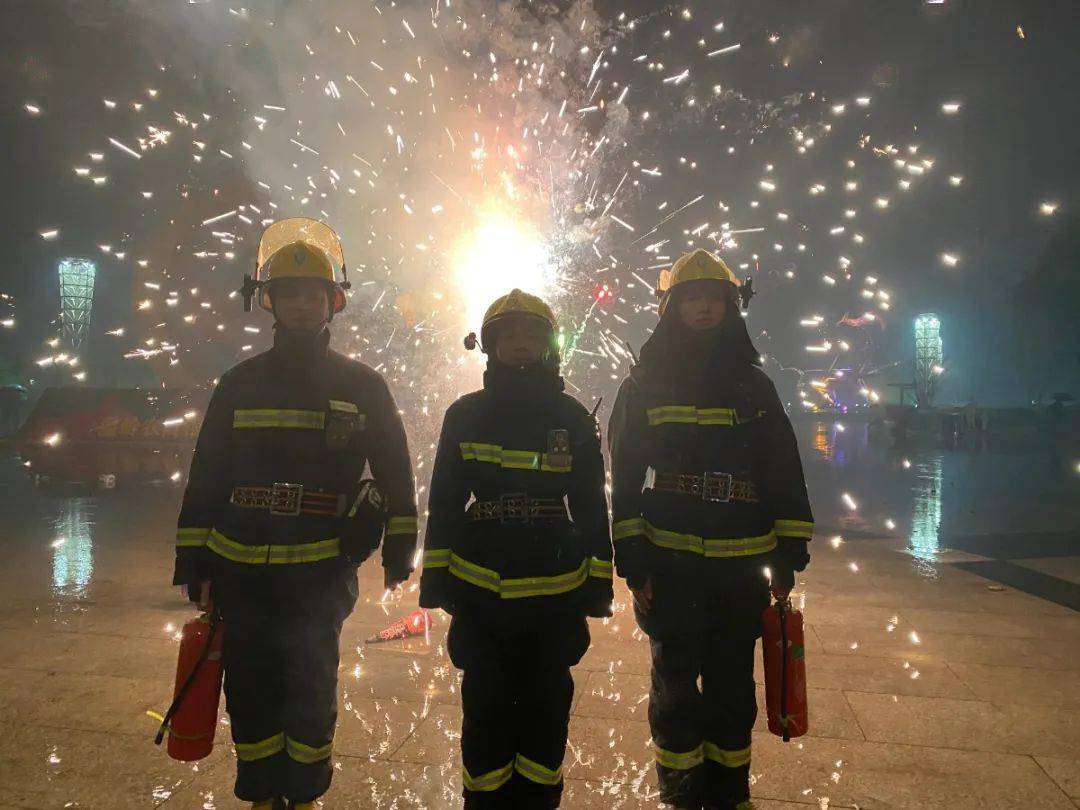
column 928, row 355
column 76, row 301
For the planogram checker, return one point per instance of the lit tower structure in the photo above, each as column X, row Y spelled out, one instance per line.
column 928, row 356
column 76, row 301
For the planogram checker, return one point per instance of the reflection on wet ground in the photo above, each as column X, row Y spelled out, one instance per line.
column 73, row 546
column 997, row 500
column 996, row 497
column 937, row 677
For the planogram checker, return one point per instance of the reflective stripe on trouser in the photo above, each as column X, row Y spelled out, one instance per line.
column 275, row 744
column 281, row 659
column 261, row 749
column 515, row 699
column 702, row 736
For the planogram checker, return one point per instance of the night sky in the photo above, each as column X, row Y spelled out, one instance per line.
column 1013, row 67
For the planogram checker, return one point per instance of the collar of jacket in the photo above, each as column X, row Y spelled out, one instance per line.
column 298, row 348
column 528, row 383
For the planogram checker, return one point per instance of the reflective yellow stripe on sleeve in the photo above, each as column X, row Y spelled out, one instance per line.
column 794, row 528
column 679, row 761
column 727, row 758
column 401, row 525
column 250, row 752
column 274, row 555
column 708, row 546
column 535, row 772
column 436, row 557
column 191, row 538
column 514, row 459
column 487, row 782
column 306, row 754
column 601, row 569
column 279, row 418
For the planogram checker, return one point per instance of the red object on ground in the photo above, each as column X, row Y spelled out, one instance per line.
column 192, row 725
column 415, row 624
column 784, row 654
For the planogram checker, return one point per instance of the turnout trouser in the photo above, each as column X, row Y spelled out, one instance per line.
column 281, row 660
column 516, row 692
column 702, row 704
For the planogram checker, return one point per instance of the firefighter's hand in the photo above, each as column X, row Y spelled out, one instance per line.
column 643, row 597
column 783, row 580
column 392, row 579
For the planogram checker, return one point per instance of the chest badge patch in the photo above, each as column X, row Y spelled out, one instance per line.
column 343, row 421
column 558, row 447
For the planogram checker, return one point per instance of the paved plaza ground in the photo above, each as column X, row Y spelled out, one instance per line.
column 930, row 686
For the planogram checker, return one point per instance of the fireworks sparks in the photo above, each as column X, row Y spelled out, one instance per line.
column 415, row 142
column 470, row 149
column 499, row 254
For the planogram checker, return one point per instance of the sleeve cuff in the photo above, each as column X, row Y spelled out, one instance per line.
column 404, row 524
column 192, row 537
column 802, row 529
column 601, row 569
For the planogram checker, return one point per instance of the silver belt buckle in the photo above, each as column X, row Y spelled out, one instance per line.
column 285, row 499
column 716, row 487
column 514, row 508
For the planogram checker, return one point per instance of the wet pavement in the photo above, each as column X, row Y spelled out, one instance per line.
column 943, row 652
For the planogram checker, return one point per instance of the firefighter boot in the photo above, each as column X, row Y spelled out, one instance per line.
column 270, row 804
column 303, row 806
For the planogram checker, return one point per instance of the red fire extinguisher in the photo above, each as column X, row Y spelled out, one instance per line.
column 785, row 669
column 192, row 718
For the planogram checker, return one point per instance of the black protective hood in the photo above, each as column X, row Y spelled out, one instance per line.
column 674, row 349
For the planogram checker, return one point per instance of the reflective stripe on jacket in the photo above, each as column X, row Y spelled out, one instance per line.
column 517, row 439
column 701, row 427
column 302, row 415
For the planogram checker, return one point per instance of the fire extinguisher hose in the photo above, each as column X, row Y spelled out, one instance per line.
column 181, row 693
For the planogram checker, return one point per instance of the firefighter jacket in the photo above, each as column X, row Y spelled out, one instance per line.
column 518, row 443
column 278, row 464
column 705, row 466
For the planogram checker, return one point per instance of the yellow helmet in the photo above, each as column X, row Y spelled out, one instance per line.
column 515, row 302
column 696, row 266
column 299, row 248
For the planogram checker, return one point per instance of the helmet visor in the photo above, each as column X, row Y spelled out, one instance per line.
column 301, row 229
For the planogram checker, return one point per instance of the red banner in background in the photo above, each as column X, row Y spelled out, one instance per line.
column 114, row 415
column 109, row 437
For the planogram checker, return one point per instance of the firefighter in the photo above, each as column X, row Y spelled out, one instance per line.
column 522, row 566
column 276, row 517
column 708, row 493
